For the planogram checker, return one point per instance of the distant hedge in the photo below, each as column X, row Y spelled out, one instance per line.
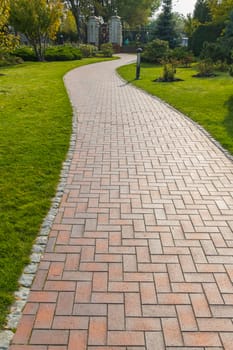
column 52, row 53
column 63, row 53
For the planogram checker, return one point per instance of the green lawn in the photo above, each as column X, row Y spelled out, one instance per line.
column 208, row 101
column 35, row 129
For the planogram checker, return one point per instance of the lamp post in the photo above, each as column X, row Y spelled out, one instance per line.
column 139, row 51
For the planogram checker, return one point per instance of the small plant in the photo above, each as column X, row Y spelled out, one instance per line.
column 205, row 69
column 169, row 72
column 183, row 56
column 107, row 49
column 88, row 50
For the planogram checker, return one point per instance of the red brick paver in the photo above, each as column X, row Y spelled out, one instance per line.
column 140, row 255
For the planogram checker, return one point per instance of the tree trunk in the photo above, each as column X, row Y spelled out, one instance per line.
column 76, row 13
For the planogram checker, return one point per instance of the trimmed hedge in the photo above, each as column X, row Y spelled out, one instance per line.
column 52, row 53
column 25, row 52
column 62, row 53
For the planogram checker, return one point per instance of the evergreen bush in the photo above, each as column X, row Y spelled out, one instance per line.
column 25, row 52
column 156, row 51
column 63, row 53
column 52, row 53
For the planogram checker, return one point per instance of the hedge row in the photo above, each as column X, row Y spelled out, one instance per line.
column 52, row 53
column 64, row 52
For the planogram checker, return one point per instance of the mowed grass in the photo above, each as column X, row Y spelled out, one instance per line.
column 35, row 129
column 208, row 101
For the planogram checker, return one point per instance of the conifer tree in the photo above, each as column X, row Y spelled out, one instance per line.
column 202, row 11
column 166, row 24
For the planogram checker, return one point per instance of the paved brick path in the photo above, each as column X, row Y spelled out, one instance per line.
column 140, row 256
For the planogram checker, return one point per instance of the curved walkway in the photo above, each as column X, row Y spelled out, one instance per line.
column 140, row 256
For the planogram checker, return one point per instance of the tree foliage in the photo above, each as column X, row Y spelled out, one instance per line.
column 166, row 24
column 8, row 41
column 136, row 12
column 212, row 22
column 220, row 10
column 190, row 25
column 38, row 20
column 132, row 12
column 202, row 11
column 205, row 33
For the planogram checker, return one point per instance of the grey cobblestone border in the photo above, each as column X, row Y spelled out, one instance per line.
column 38, row 248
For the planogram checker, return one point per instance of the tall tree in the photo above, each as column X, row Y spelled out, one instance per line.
column 166, row 24
column 220, row 10
column 190, row 26
column 132, row 12
column 7, row 40
column 80, row 10
column 136, row 12
column 202, row 11
column 68, row 27
column 38, row 20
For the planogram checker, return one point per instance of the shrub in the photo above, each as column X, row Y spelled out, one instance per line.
column 169, row 72
column 183, row 56
column 231, row 70
column 213, row 51
column 155, row 51
column 52, row 53
column 62, row 53
column 8, row 60
column 26, row 53
column 88, row 50
column 205, row 68
column 107, row 49
column 221, row 66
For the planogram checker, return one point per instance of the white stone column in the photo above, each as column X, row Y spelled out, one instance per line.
column 115, row 30
column 93, row 30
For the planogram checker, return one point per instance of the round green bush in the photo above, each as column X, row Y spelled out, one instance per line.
column 156, row 51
